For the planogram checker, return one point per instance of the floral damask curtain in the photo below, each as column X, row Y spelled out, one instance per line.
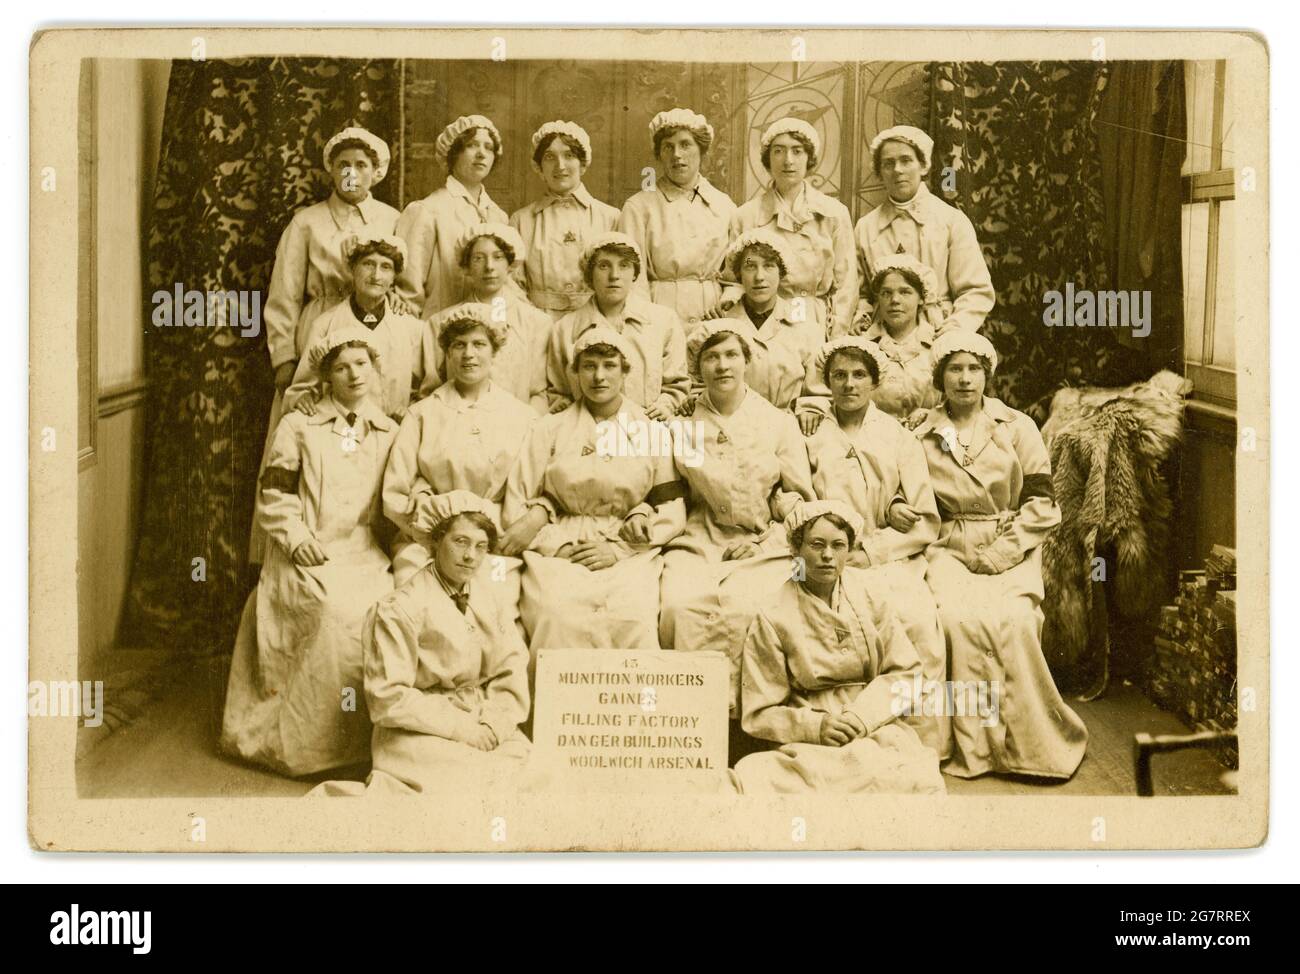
column 1016, row 149
column 241, row 150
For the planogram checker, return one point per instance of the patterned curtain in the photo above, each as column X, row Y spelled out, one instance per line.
column 1016, row 149
column 241, row 150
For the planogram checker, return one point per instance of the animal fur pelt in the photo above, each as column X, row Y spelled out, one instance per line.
column 1107, row 446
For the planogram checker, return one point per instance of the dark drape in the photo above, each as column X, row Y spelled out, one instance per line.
column 1142, row 133
column 1016, row 149
column 241, row 150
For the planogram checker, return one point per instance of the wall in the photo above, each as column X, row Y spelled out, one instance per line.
column 123, row 108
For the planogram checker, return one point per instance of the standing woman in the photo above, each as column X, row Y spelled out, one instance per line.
column 311, row 273
column 293, row 700
column 825, row 664
column 783, row 342
column 865, row 459
column 468, row 147
column 746, row 469
column 682, row 223
column 461, row 439
column 915, row 222
column 486, row 253
column 401, row 341
column 993, row 482
column 590, row 500
column 557, row 227
column 816, row 229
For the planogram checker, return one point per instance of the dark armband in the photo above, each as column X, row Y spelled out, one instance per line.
column 280, row 478
column 663, row 493
column 1037, row 485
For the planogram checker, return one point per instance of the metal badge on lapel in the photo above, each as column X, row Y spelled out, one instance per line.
column 570, row 237
column 723, row 438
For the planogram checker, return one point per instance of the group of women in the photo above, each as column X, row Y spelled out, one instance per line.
column 688, row 425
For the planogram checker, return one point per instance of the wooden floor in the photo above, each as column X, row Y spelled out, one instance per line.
column 166, row 747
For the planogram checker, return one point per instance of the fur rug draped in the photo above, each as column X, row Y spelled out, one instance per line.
column 1107, row 447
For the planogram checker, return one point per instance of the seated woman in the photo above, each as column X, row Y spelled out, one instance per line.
column 783, row 342
column 915, row 222
column 557, row 227
column 826, row 663
column 993, row 482
column 486, row 252
column 816, row 229
column 681, row 222
column 866, row 460
column 469, row 148
column 746, row 468
column 295, row 679
column 903, row 289
column 446, row 673
column 657, row 382
column 462, row 438
column 589, row 502
column 402, row 343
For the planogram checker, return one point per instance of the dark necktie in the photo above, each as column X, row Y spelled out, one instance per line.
column 461, row 599
column 352, row 419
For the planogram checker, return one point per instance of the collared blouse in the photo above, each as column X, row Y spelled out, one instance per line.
column 658, row 373
column 804, row 660
column 907, row 383
column 878, row 463
column 818, row 232
column 782, row 367
column 747, row 471
column 322, row 479
column 447, row 444
column 567, row 467
column 683, row 234
column 431, row 279
column 406, row 356
column 311, row 273
column 432, row 669
column 940, row 236
column 555, row 230
column 995, row 496
column 519, row 366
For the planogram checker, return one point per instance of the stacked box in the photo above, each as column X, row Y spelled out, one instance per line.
column 1193, row 672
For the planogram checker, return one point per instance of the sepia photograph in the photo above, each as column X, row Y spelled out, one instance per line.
column 648, row 440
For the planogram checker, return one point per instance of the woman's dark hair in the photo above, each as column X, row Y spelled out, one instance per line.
column 462, row 140
column 854, row 353
column 463, row 326
column 875, row 156
column 480, row 521
column 380, row 247
column 766, row 251
column 604, row 351
column 796, row 536
column 700, row 135
column 621, row 250
column 799, row 137
column 936, row 379
column 906, row 273
column 505, row 249
column 329, row 358
column 354, row 144
column 717, row 338
column 574, row 146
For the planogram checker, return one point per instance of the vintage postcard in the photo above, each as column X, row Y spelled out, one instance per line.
column 648, row 440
